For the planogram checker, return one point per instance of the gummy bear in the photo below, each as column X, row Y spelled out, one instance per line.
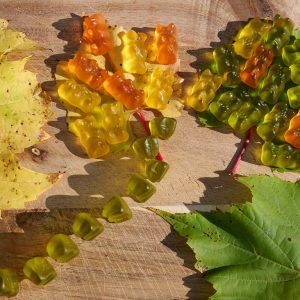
column 256, row 66
column 78, row 95
column 275, row 123
column 294, row 96
column 87, row 70
column 86, row 226
column 97, row 35
column 61, row 248
column 93, row 139
column 274, row 82
column 250, row 36
column 39, row 270
column 278, row 35
column 124, row 91
column 9, row 283
column 204, row 90
column 165, row 44
column 281, row 156
column 295, row 72
column 146, row 147
column 156, row 169
column 292, row 135
column 114, row 122
column 134, row 52
column 291, row 53
column 139, row 188
column 158, row 88
column 226, row 64
column 116, row 210
column 162, row 127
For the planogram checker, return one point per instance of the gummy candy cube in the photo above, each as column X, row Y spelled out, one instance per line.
column 156, row 169
column 292, row 135
column 86, row 226
column 139, row 188
column 61, row 248
column 78, row 95
column 39, row 270
column 162, row 127
column 146, row 147
column 9, row 283
column 116, row 210
column 294, row 96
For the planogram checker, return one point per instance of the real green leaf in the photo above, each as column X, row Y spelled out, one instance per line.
column 251, row 252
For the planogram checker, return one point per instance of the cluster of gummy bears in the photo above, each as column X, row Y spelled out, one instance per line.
column 255, row 82
column 115, row 74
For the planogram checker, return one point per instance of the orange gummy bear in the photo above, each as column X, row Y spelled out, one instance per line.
column 166, row 44
column 292, row 135
column 256, row 66
column 87, row 70
column 97, row 35
column 124, row 91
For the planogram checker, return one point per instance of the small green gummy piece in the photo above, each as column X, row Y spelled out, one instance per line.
column 139, row 188
column 162, row 127
column 61, row 248
column 116, row 210
column 156, row 169
column 39, row 270
column 87, row 226
column 146, row 147
column 294, row 96
column 9, row 283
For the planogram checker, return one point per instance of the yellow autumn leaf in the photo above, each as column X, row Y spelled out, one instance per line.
column 23, row 111
column 19, row 185
column 11, row 40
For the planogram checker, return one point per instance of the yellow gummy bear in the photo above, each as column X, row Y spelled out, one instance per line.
column 249, row 37
column 204, row 90
column 114, row 122
column 91, row 138
column 78, row 95
column 158, row 88
column 134, row 52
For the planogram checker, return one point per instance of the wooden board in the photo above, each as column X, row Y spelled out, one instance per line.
column 142, row 258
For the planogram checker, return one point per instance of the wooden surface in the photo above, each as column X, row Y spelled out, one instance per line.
column 142, row 258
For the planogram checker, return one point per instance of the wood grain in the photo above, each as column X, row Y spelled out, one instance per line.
column 140, row 259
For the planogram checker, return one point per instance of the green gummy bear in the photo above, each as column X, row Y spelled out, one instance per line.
column 9, row 283
column 39, row 270
column 156, row 169
column 274, row 82
column 139, row 188
column 281, row 156
column 116, row 210
column 238, row 109
column 61, row 248
column 226, row 63
column 279, row 34
column 162, row 127
column 291, row 53
column 276, row 122
column 146, row 147
column 86, row 226
column 295, row 72
column 294, row 96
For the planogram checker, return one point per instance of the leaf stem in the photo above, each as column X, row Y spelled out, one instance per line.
column 236, row 162
column 145, row 123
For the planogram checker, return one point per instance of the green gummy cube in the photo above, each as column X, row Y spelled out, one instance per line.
column 61, row 248
column 86, row 226
column 156, row 169
column 116, row 210
column 9, row 283
column 162, row 127
column 294, row 96
column 139, row 188
column 146, row 147
column 39, row 270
